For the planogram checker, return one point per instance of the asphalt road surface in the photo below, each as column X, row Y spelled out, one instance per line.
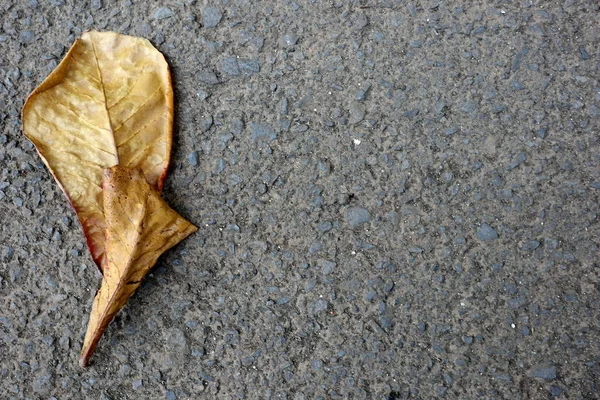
column 396, row 200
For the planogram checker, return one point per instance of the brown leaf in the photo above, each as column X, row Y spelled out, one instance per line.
column 140, row 226
column 108, row 102
column 102, row 123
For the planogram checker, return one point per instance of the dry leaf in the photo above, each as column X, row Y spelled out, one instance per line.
column 133, row 244
column 102, row 124
column 108, row 102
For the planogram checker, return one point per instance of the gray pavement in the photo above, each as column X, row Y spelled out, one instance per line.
column 396, row 200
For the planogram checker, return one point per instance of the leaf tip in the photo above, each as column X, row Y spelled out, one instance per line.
column 89, row 346
column 84, row 360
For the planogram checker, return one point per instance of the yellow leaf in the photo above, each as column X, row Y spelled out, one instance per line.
column 140, row 226
column 108, row 102
column 102, row 123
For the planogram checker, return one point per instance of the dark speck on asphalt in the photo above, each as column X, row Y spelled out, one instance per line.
column 211, row 16
column 262, row 132
column 163, row 13
column 486, row 233
column 546, row 372
column 357, row 216
column 530, row 245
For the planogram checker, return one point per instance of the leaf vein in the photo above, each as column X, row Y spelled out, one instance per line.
column 74, row 88
column 104, row 95
column 79, row 158
column 144, row 150
column 139, row 77
column 82, row 177
column 141, row 129
column 74, row 135
column 80, row 117
column 138, row 109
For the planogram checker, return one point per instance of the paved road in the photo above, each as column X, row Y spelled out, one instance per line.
column 395, row 199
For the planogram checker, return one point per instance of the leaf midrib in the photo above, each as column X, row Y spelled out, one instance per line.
column 104, row 102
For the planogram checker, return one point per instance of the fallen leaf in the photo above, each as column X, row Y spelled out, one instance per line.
column 102, row 123
column 108, row 102
column 133, row 244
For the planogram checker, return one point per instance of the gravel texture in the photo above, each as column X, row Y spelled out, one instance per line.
column 396, row 200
